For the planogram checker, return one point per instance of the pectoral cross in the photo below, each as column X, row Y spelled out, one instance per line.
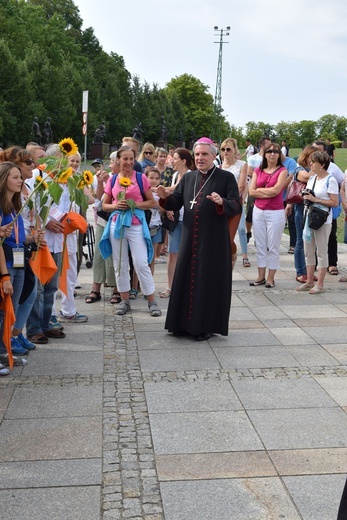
column 192, row 202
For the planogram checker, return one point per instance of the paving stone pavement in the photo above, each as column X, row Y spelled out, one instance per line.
column 122, row 421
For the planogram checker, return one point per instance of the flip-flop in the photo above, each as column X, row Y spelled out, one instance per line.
column 255, row 284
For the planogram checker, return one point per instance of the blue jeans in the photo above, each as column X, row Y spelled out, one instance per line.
column 17, row 280
column 40, row 315
column 242, row 232
column 24, row 309
column 299, row 253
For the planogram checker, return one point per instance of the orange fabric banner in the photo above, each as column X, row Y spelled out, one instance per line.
column 63, row 270
column 9, row 319
column 43, row 265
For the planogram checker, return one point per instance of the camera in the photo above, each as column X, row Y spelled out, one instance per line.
column 307, row 191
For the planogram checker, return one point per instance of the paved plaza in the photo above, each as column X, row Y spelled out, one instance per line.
column 122, row 421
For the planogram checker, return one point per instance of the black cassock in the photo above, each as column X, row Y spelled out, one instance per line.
column 201, row 290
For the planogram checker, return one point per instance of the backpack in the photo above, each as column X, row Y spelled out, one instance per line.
column 106, row 215
column 255, row 148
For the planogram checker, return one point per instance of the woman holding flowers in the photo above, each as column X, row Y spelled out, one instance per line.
column 127, row 228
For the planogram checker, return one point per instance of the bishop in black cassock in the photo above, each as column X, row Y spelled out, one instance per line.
column 201, row 291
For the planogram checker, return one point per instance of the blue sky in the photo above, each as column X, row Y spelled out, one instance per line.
column 285, row 61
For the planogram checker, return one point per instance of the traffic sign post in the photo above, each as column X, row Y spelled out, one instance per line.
column 84, row 122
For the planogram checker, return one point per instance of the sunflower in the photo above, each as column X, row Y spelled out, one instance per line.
column 63, row 177
column 68, row 146
column 88, row 177
column 81, row 184
column 40, row 180
column 125, row 182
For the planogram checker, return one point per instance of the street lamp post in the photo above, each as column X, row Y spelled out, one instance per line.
column 217, row 106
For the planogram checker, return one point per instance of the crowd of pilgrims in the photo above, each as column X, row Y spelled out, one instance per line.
column 168, row 200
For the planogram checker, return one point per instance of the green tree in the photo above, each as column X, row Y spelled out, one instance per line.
column 196, row 102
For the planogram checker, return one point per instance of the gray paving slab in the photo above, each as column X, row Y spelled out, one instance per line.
column 191, row 397
column 327, row 334
column 239, row 499
column 54, row 362
column 5, row 397
column 200, row 432
column 338, row 392
column 49, row 401
column 52, row 473
column 70, row 503
column 311, row 355
column 200, row 358
column 47, row 439
column 254, row 357
column 313, row 311
column 162, row 340
column 81, row 338
column 317, row 497
column 244, row 338
column 263, row 394
column 338, row 352
column 300, row 428
column 269, row 312
column 292, row 336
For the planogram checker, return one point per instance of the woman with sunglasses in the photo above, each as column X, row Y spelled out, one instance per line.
column 147, row 156
column 231, row 163
column 267, row 185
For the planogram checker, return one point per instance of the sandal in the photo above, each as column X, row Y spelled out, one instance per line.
column 40, row 339
column 154, row 309
column 246, row 262
column 115, row 298
column 302, row 278
column 133, row 294
column 54, row 333
column 334, row 271
column 92, row 299
column 343, row 279
column 165, row 294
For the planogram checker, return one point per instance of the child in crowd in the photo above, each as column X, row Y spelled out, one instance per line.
column 153, row 175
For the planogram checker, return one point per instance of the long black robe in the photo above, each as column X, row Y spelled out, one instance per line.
column 201, row 290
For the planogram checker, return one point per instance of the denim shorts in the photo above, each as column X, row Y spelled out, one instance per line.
column 175, row 238
column 156, row 239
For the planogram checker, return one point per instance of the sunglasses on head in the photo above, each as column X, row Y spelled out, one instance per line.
column 273, row 151
column 226, row 149
column 148, row 153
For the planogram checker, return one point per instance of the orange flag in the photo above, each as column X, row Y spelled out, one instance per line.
column 43, row 265
column 63, row 270
column 9, row 319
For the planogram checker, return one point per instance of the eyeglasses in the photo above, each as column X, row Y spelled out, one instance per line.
column 29, row 162
column 225, row 149
column 148, row 153
column 273, row 151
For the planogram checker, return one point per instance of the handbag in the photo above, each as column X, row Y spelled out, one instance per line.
column 317, row 217
column 294, row 190
column 170, row 224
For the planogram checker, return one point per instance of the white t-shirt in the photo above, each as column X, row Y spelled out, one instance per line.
column 255, row 160
column 249, row 151
column 284, row 151
column 321, row 190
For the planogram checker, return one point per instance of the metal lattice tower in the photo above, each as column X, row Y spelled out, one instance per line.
column 217, row 106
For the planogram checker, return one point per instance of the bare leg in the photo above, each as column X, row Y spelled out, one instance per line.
column 271, row 276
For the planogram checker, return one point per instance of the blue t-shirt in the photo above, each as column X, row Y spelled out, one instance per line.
column 11, row 240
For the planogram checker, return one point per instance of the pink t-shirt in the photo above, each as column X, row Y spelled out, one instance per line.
column 132, row 192
column 268, row 180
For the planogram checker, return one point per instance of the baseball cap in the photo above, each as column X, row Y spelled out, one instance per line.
column 97, row 161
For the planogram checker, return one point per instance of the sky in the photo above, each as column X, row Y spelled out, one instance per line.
column 284, row 61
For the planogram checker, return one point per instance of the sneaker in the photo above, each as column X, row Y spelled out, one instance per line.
column 154, row 309
column 17, row 348
column 77, row 318
column 3, row 370
column 160, row 260
column 54, row 323
column 24, row 342
column 17, row 362
column 122, row 308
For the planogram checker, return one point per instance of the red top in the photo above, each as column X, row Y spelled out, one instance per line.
column 268, row 180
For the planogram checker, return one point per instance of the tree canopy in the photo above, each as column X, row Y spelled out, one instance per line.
column 47, row 60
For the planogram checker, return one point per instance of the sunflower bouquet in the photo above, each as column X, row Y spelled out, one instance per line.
column 125, row 182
